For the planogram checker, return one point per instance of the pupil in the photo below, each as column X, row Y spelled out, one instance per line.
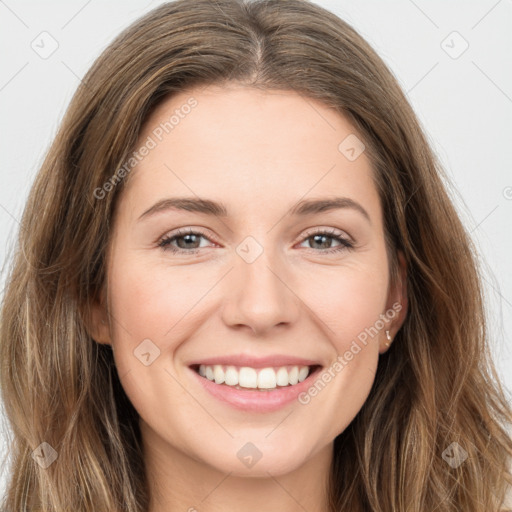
column 187, row 238
column 317, row 237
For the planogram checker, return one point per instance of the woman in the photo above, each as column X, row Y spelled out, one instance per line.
column 240, row 284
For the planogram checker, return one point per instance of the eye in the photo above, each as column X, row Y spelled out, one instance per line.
column 324, row 239
column 187, row 241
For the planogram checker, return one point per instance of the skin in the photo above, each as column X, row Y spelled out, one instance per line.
column 259, row 153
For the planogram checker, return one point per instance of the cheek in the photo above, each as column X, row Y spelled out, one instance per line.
column 149, row 302
column 152, row 311
column 350, row 307
column 363, row 300
column 149, row 299
column 348, row 300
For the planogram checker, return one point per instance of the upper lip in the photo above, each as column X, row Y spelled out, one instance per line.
column 256, row 362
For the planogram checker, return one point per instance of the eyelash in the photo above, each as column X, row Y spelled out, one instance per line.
column 165, row 242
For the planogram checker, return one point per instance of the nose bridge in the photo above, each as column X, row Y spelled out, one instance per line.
column 258, row 296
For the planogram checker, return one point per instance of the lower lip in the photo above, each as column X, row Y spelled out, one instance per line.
column 254, row 400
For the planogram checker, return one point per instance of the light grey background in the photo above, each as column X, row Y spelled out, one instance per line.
column 462, row 98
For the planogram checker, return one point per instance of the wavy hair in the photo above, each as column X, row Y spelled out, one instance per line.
column 435, row 386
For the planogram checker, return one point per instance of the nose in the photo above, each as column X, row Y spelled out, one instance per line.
column 259, row 296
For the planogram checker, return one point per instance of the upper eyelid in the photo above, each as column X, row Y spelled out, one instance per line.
column 330, row 231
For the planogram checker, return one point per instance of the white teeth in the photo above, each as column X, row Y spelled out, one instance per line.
column 282, row 377
column 294, row 375
column 231, row 376
column 218, row 374
column 246, row 377
column 303, row 373
column 267, row 378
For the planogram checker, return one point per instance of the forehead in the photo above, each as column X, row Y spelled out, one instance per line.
column 243, row 144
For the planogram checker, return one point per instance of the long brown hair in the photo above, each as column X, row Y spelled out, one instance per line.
column 436, row 385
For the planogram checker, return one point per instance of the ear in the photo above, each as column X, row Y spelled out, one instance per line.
column 98, row 324
column 397, row 303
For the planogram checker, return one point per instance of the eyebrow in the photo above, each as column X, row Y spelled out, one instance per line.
column 216, row 209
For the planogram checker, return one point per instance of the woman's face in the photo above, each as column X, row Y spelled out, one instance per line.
column 226, row 254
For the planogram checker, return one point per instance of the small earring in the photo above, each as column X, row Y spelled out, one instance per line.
column 389, row 339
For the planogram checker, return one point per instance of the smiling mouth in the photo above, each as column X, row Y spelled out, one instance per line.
column 255, row 379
